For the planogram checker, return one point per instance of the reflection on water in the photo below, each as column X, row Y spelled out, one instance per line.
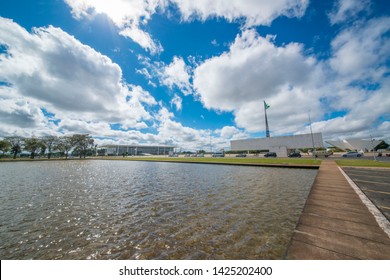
column 147, row 210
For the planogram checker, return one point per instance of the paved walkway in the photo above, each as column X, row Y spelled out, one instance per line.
column 335, row 224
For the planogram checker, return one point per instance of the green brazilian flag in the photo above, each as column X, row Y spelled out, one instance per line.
column 266, row 106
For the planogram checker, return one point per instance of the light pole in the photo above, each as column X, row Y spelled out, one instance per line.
column 312, row 138
column 372, row 144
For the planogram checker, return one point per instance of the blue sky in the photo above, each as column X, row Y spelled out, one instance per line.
column 194, row 73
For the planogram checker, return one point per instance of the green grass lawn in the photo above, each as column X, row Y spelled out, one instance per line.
column 362, row 163
column 248, row 160
column 232, row 160
column 227, row 160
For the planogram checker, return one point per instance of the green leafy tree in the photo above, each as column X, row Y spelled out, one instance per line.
column 64, row 144
column 382, row 145
column 16, row 144
column 50, row 142
column 5, row 146
column 82, row 143
column 32, row 145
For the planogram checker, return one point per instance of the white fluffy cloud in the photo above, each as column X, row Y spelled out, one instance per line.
column 231, row 132
column 253, row 70
column 176, row 74
column 346, row 10
column 19, row 116
column 50, row 69
column 51, row 83
column 362, row 116
column 142, row 38
column 361, row 51
column 177, row 102
column 127, row 15
column 52, row 66
column 130, row 15
column 254, row 12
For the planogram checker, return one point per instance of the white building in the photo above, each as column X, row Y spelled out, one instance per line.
column 133, row 150
column 355, row 144
column 281, row 145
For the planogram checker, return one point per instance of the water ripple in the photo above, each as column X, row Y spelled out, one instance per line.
column 144, row 210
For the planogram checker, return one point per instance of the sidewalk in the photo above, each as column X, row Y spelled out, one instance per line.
column 335, row 224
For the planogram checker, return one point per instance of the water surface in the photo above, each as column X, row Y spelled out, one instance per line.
column 148, row 210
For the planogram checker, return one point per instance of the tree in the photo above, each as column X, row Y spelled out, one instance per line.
column 64, row 144
column 16, row 144
column 5, row 146
column 50, row 142
column 82, row 143
column 382, row 145
column 32, row 145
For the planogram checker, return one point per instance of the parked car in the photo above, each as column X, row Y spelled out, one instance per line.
column 270, row 154
column 218, row 154
column 352, row 154
column 241, row 155
column 322, row 153
column 295, row 154
column 174, row 155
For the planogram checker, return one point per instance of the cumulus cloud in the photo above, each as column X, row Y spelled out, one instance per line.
column 143, row 39
column 177, row 102
column 52, row 60
column 252, row 70
column 128, row 15
column 362, row 114
column 231, row 133
column 53, row 69
column 176, row 74
column 20, row 113
column 255, row 69
column 347, row 10
column 187, row 138
column 253, row 12
column 361, row 52
column 48, row 70
column 23, row 116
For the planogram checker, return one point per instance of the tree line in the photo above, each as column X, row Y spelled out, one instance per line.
column 81, row 143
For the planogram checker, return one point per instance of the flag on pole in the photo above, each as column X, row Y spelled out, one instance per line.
column 266, row 106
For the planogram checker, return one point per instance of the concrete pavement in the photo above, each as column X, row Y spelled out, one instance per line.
column 335, row 224
column 375, row 183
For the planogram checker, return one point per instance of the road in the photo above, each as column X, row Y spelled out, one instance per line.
column 375, row 183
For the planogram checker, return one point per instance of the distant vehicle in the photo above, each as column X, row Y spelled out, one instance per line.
column 200, row 155
column 352, row 154
column 218, row 154
column 322, row 153
column 174, row 155
column 194, row 155
column 241, row 155
column 187, row 155
column 295, row 154
column 270, row 154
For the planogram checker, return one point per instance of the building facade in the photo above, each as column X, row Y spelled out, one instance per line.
column 281, row 145
column 355, row 144
column 136, row 150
